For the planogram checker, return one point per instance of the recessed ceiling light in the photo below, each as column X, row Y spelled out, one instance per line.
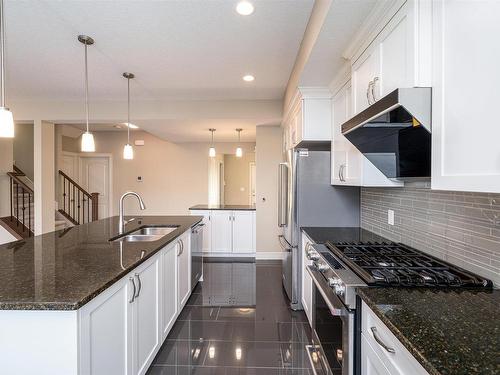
column 245, row 8
column 248, row 78
column 132, row 126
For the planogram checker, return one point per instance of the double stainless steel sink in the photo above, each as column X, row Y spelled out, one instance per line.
column 147, row 234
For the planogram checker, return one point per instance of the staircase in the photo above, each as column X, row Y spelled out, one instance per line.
column 78, row 205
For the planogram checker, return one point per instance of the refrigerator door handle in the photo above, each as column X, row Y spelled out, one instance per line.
column 282, row 195
column 285, row 245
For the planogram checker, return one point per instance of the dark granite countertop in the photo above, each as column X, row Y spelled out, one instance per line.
column 222, row 207
column 64, row 270
column 341, row 234
column 447, row 331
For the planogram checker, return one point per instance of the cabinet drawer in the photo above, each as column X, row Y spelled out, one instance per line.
column 395, row 356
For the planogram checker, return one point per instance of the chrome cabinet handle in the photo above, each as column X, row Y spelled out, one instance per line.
column 182, row 246
column 374, row 82
column 341, row 172
column 140, row 285
column 368, row 92
column 134, row 290
column 380, row 342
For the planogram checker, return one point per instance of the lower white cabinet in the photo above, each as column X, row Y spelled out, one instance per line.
column 228, row 232
column 306, row 281
column 122, row 329
column 371, row 364
column 146, row 311
column 183, row 269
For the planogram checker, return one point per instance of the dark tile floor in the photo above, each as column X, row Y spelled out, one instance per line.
column 237, row 322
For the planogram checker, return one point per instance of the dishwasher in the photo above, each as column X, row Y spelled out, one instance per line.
column 196, row 254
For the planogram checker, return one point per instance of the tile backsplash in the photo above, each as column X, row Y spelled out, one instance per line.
column 458, row 227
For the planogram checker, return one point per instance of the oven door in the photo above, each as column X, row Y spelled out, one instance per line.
column 333, row 329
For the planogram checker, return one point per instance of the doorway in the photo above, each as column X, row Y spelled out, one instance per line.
column 95, row 177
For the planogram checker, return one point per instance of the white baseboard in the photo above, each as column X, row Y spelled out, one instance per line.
column 228, row 255
column 270, row 255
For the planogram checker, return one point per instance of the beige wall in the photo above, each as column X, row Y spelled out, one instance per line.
column 175, row 176
column 267, row 157
column 23, row 148
column 237, row 178
column 6, row 159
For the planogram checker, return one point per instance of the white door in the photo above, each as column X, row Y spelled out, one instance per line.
column 221, row 231
column 183, row 269
column 371, row 364
column 243, row 232
column 168, row 289
column 105, row 326
column 95, row 178
column 146, row 314
column 253, row 171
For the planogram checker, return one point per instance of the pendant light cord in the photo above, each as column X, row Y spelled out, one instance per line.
column 128, row 111
column 2, row 53
column 86, row 90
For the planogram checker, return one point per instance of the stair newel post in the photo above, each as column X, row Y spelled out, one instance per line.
column 17, row 204
column 11, row 200
column 29, row 215
column 23, row 208
column 95, row 206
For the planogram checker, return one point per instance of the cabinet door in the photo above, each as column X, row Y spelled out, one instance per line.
column 183, row 269
column 364, row 72
column 306, row 279
column 168, row 289
column 221, row 231
column 105, row 331
column 243, row 232
column 465, row 134
column 146, row 314
column 371, row 364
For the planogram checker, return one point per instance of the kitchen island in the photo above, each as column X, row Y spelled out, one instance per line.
column 71, row 301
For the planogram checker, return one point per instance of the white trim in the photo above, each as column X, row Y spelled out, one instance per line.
column 228, row 255
column 270, row 255
column 341, row 79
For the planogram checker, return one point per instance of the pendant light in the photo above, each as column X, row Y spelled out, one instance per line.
column 88, row 144
column 6, row 118
column 211, row 150
column 239, row 150
column 128, row 151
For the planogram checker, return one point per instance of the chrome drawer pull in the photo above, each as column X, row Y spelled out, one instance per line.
column 380, row 342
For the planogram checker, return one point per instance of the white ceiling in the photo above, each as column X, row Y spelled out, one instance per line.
column 191, row 49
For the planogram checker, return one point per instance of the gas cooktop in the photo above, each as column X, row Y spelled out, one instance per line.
column 395, row 264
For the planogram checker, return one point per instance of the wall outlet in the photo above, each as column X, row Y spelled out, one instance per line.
column 390, row 217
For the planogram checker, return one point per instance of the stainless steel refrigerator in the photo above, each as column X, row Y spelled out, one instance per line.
column 307, row 199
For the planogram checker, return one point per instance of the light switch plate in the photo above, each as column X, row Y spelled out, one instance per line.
column 390, row 217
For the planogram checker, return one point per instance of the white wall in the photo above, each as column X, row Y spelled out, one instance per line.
column 6, row 159
column 23, row 148
column 267, row 157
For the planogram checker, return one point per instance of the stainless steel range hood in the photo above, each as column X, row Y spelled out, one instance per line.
column 394, row 133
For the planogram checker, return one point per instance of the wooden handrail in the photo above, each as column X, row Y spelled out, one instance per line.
column 16, row 169
column 76, row 184
column 15, row 176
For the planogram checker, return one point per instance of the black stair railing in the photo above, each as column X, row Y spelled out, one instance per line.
column 78, row 205
column 21, row 200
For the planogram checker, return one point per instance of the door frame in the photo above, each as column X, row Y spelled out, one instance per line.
column 109, row 156
column 250, row 165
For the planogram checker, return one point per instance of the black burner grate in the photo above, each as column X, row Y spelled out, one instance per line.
column 396, row 264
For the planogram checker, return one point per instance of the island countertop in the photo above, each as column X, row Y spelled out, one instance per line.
column 448, row 331
column 224, row 207
column 64, row 270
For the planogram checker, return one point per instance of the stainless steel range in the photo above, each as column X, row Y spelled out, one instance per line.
column 341, row 267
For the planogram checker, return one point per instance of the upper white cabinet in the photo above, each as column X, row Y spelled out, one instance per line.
column 465, row 131
column 308, row 117
column 228, row 232
column 400, row 56
column 349, row 166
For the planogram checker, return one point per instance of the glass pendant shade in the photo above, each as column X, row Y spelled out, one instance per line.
column 88, row 144
column 128, row 152
column 239, row 152
column 6, row 123
column 211, row 152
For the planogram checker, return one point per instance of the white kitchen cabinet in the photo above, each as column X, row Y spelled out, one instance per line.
column 243, row 232
column 400, row 56
column 308, row 117
column 105, row 329
column 183, row 250
column 465, row 131
column 371, row 364
column 169, row 289
column 222, row 231
column 381, row 351
column 349, row 166
column 146, row 314
column 306, row 283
